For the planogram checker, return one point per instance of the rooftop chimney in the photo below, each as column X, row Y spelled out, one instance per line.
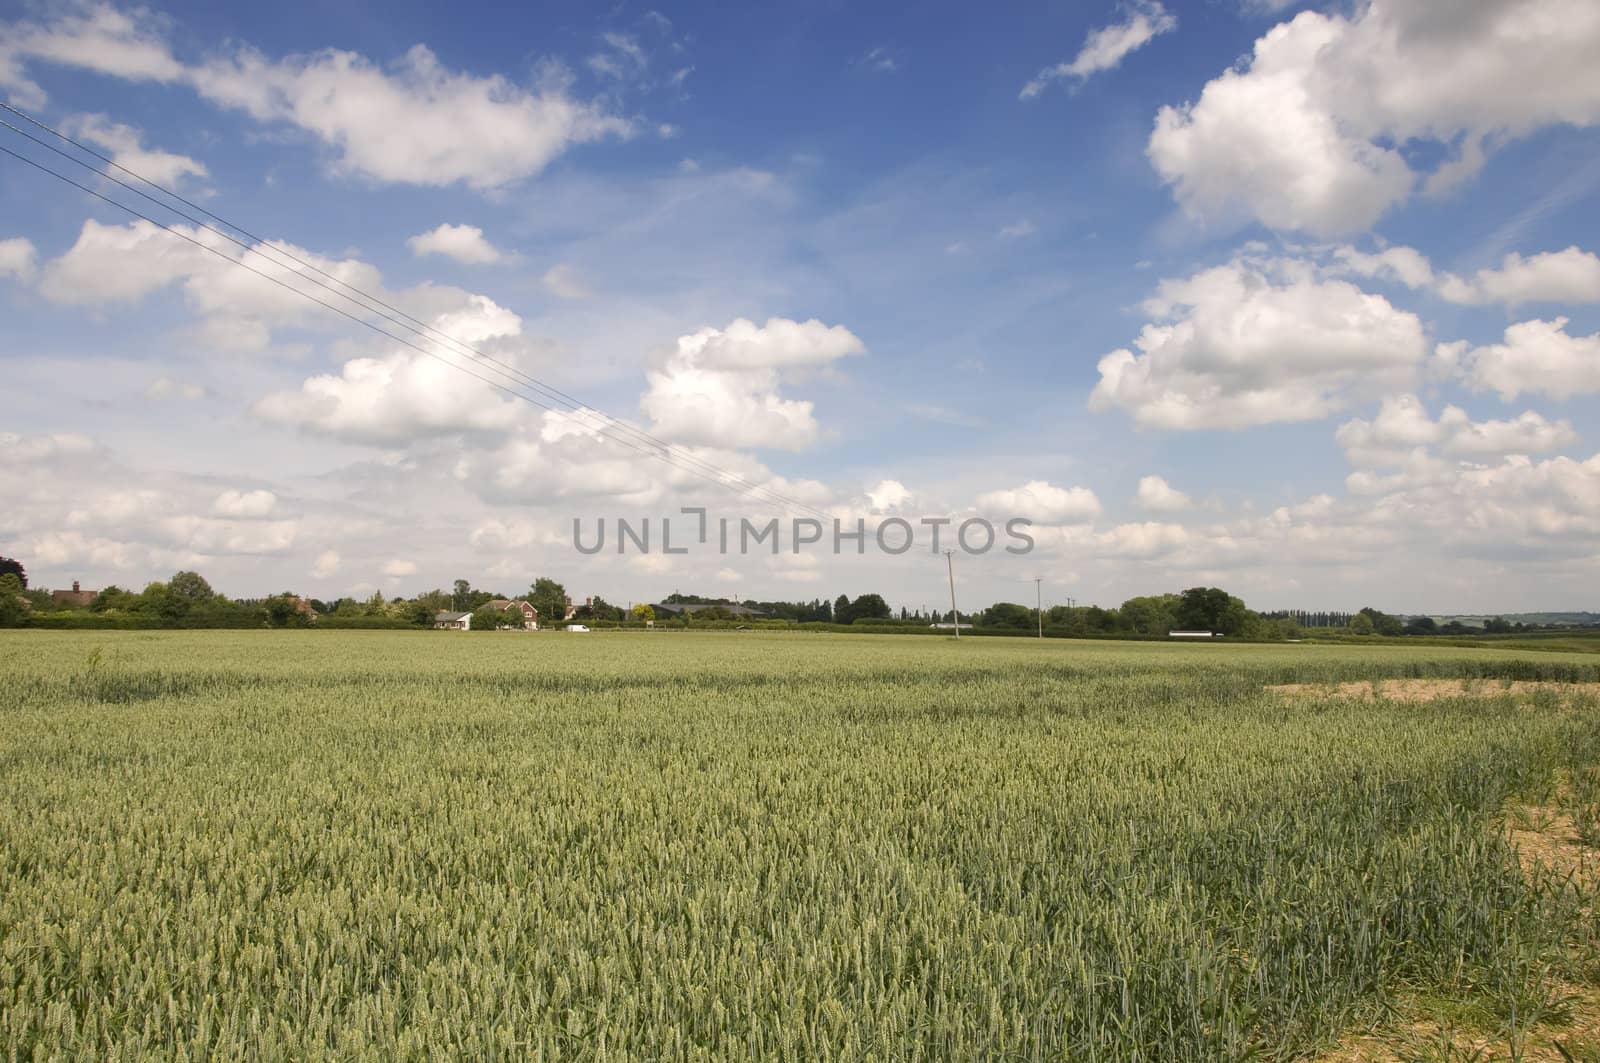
column 74, row 586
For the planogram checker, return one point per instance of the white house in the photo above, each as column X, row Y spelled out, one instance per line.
column 448, row 621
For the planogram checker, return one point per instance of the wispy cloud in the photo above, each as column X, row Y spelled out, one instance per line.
column 881, row 59
column 562, row 282
column 1107, row 46
column 944, row 415
column 622, row 58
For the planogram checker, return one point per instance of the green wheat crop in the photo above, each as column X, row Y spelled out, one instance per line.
column 657, row 846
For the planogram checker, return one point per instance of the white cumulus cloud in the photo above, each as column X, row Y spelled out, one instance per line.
column 127, row 149
column 1043, row 502
column 95, row 37
column 249, row 504
column 415, row 122
column 18, row 258
column 1569, row 276
column 1158, row 496
column 1306, row 135
column 464, row 243
column 1232, row 347
column 888, row 496
column 1538, row 357
column 405, row 395
column 720, row 387
column 412, row 121
column 1403, row 429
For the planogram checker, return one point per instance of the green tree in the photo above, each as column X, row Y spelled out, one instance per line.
column 1383, row 623
column 157, row 601
column 1361, row 624
column 597, row 608
column 1098, row 619
column 841, row 610
column 417, row 612
column 11, row 566
column 1008, row 615
column 1073, row 620
column 869, row 607
column 437, row 601
column 1497, row 625
column 283, row 610
column 1154, row 614
column 113, row 599
column 189, row 589
column 461, row 596
column 550, row 598
column 643, row 612
column 490, row 618
column 1212, row 609
column 12, row 609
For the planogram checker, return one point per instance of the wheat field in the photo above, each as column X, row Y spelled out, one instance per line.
column 661, row 846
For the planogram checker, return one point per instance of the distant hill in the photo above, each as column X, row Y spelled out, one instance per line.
column 1580, row 619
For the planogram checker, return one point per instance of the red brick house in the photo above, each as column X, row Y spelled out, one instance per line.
column 530, row 615
column 76, row 598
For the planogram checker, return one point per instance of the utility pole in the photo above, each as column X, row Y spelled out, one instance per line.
column 950, row 565
column 1038, row 602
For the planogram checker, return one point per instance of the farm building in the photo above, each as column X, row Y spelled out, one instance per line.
column 75, row 597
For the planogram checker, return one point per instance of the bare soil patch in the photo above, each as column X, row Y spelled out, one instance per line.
column 1546, row 839
column 1417, row 690
column 1546, row 842
column 1429, row 1040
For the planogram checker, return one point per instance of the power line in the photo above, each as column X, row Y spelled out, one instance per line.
column 653, row 446
column 345, row 313
column 724, row 477
column 950, row 567
column 417, row 326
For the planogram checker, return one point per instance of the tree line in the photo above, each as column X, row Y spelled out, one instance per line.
column 188, row 600
column 1197, row 609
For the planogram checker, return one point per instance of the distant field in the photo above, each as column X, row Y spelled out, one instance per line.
column 381, row 845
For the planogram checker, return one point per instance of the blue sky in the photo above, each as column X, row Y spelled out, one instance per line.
column 882, row 262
